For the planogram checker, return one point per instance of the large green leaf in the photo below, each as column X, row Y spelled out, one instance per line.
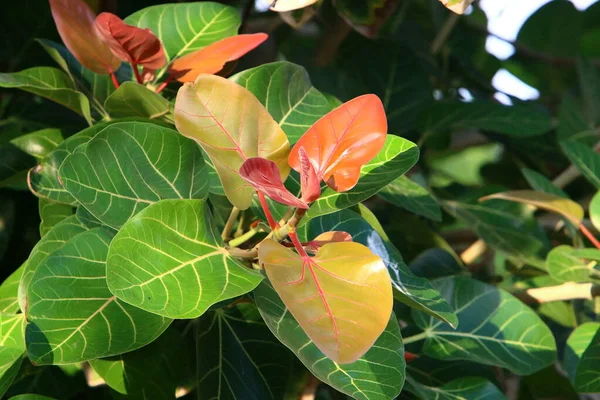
column 51, row 83
column 581, row 357
column 238, row 357
column 53, row 240
column 571, row 121
column 10, row 362
column 567, row 264
column 51, row 214
column 287, row 93
column 459, row 389
column 134, row 100
column 519, row 120
column 130, row 165
column 379, row 374
column 73, row 317
column 12, row 347
column 183, row 28
column 9, row 302
column 494, row 328
column 585, row 159
column 542, row 184
column 409, row 289
column 39, row 143
column 169, row 260
column 412, row 197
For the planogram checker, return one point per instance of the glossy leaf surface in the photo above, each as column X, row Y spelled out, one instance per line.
column 364, row 379
column 581, row 357
column 342, row 297
column 72, row 316
column 169, row 260
column 131, row 169
column 494, row 328
column 134, row 100
column 130, row 43
column 231, row 125
column 75, row 23
column 264, row 176
column 212, row 58
column 567, row 264
column 411, row 196
column 344, row 140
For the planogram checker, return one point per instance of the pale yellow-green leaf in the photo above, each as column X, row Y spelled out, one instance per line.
column 457, row 6
column 289, row 5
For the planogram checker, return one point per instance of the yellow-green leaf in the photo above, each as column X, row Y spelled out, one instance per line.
column 342, row 297
column 565, row 207
column 231, row 125
column 457, row 6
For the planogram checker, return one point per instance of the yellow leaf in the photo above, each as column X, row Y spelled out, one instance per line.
column 230, row 125
column 565, row 207
column 457, row 6
column 342, row 297
column 289, row 5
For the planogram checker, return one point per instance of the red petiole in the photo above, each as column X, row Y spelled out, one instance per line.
column 136, row 72
column 115, row 82
column 589, row 235
column 267, row 211
column 164, row 84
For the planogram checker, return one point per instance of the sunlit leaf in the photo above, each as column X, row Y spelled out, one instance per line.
column 567, row 264
column 134, row 100
column 289, row 5
column 75, row 23
column 565, row 207
column 71, row 314
column 310, row 182
column 169, row 246
column 10, row 362
column 459, row 389
column 212, row 58
column 38, row 143
column 51, row 214
column 130, row 43
column 412, row 197
column 231, row 125
column 264, row 176
column 344, row 140
column 581, row 357
column 9, row 302
column 494, row 329
column 327, row 237
column 594, row 210
column 328, row 293
column 50, row 83
column 457, row 6
column 130, row 169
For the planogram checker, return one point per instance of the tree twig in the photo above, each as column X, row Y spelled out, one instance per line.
column 229, row 224
column 444, row 33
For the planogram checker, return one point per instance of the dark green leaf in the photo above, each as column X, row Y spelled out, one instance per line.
column 436, row 263
column 571, row 121
column 585, row 159
column 459, row 389
column 581, row 357
column 10, row 362
column 412, row 197
column 542, row 184
column 134, row 100
column 87, row 219
column 51, row 214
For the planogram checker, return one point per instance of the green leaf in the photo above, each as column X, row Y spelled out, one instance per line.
column 519, row 120
column 130, row 165
column 571, row 121
column 585, row 159
column 412, row 197
column 52, row 241
column 287, row 93
column 566, row 264
column 183, row 28
column 10, row 362
column 152, row 372
column 409, row 289
column 11, row 331
column 594, row 210
column 87, row 219
column 50, row 83
column 31, row 397
column 134, row 100
column 239, row 358
column 379, row 374
column 39, row 143
column 169, row 260
column 436, row 263
column 581, row 357
column 458, row 389
column 589, row 84
column 73, row 317
column 51, row 214
column 542, row 184
column 9, row 303
column 494, row 329
column 359, row 12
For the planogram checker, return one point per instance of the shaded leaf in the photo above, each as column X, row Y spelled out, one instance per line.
column 87, row 219
column 51, row 214
column 542, row 184
column 412, row 197
column 566, row 264
column 168, row 246
column 436, row 263
column 585, row 159
column 72, row 316
column 129, row 168
column 231, row 126
column 459, row 389
column 134, row 100
column 581, row 355
column 10, row 362
column 494, row 329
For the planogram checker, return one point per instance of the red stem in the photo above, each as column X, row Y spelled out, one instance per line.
column 265, row 207
column 115, row 82
column 136, row 72
column 297, row 244
column 589, row 235
column 164, row 84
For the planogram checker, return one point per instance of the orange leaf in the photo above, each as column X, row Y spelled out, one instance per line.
column 265, row 177
column 75, row 23
column 310, row 183
column 327, row 237
column 130, row 43
column 212, row 58
column 344, row 140
column 342, row 297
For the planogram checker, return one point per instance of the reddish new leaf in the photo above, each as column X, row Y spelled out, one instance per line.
column 264, row 176
column 212, row 58
column 75, row 23
column 327, row 237
column 310, row 183
column 344, row 140
column 130, row 43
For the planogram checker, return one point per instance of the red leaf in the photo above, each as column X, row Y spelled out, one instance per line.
column 309, row 181
column 75, row 24
column 263, row 175
column 130, row 43
column 344, row 140
column 327, row 237
column 212, row 58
